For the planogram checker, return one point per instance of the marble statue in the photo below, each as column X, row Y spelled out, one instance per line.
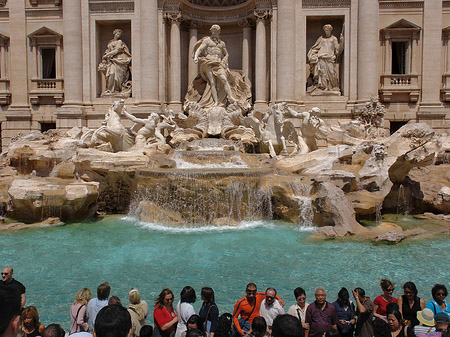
column 216, row 85
column 115, row 65
column 311, row 128
column 111, row 131
column 322, row 59
column 371, row 116
column 149, row 130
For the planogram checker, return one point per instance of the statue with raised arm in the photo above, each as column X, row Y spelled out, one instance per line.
column 216, row 85
column 311, row 128
column 115, row 65
column 322, row 59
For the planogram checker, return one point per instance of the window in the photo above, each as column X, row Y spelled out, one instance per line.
column 47, row 126
column 400, row 58
column 48, row 62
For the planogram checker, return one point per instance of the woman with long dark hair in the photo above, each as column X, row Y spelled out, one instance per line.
column 185, row 309
column 409, row 304
column 209, row 312
column 346, row 313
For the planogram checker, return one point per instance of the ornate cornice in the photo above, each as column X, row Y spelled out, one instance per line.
column 262, row 14
column 326, row 3
column 111, row 6
column 391, row 4
column 36, row 2
column 172, row 16
column 43, row 12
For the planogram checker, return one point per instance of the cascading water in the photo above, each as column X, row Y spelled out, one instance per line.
column 302, row 194
column 402, row 202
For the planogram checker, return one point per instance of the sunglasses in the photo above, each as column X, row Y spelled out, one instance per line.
column 5, row 273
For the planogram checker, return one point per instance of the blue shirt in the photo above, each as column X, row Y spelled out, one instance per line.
column 434, row 307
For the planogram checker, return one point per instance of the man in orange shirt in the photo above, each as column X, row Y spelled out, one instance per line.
column 248, row 307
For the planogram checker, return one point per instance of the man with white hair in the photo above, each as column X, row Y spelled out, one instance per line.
column 320, row 315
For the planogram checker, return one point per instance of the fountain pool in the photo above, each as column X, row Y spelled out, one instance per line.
column 54, row 263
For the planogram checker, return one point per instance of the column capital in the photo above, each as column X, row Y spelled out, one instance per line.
column 246, row 22
column 172, row 16
column 262, row 14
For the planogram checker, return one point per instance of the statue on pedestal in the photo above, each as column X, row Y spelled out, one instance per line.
column 322, row 59
column 115, row 65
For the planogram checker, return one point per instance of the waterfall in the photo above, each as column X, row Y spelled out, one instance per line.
column 302, row 194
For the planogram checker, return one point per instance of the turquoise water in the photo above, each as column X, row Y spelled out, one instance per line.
column 53, row 263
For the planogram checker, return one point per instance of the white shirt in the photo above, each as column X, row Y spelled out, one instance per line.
column 184, row 311
column 295, row 310
column 269, row 312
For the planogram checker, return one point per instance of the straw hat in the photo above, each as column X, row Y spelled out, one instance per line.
column 426, row 317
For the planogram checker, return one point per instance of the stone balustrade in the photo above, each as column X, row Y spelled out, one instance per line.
column 399, row 84
column 53, row 88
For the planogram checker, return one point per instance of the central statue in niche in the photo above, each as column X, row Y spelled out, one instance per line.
column 217, row 85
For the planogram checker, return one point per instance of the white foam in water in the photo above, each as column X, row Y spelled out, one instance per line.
column 237, row 163
column 242, row 226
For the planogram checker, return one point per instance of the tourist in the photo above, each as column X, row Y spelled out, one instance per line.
column 442, row 322
column 113, row 321
column 397, row 325
column 270, row 308
column 381, row 328
column 409, row 304
column 439, row 293
column 31, row 327
column 8, row 280
column 382, row 301
column 96, row 304
column 259, row 327
column 164, row 315
column 224, row 325
column 194, row 322
column 53, row 330
column 247, row 308
column 426, row 322
column 138, row 311
column 299, row 309
column 10, row 300
column 320, row 315
column 146, row 331
column 114, row 300
column 346, row 313
column 194, row 333
column 185, row 309
column 364, row 313
column 287, row 326
column 78, row 316
column 209, row 312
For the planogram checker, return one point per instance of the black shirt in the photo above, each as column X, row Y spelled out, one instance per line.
column 16, row 285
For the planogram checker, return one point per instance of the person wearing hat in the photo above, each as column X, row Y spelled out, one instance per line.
column 442, row 321
column 427, row 322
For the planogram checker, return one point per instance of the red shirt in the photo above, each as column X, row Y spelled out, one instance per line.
column 162, row 316
column 382, row 303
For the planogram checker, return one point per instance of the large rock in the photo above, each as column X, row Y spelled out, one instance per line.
column 33, row 200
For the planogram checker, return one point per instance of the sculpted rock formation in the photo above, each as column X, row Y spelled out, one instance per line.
column 115, row 66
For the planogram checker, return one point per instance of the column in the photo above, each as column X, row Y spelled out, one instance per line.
column 175, row 61
column 286, row 51
column 149, row 52
column 260, row 58
column 367, row 50
column 431, row 60
column 192, row 67
column 246, row 47
column 73, row 64
column 3, row 60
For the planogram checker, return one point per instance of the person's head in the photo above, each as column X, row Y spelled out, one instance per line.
column 9, row 311
column 442, row 321
column 103, row 291
column 381, row 328
column 259, row 326
column 188, row 295
column 215, row 29
column 133, row 296
column 321, row 295
column 410, row 290
column 194, row 322
column 83, row 296
column 395, row 320
column 361, row 293
column 30, row 317
column 194, row 333
column 114, row 300
column 439, row 292
column 286, row 326
column 112, row 321
column 207, row 294
column 270, row 295
column 146, row 331
column 387, row 287
column 300, row 296
column 7, row 274
column 390, row 307
column 53, row 330
column 343, row 297
column 165, row 298
column 327, row 29
column 250, row 292
column 117, row 33
column 224, row 325
column 426, row 317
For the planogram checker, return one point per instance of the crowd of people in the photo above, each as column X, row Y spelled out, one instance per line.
column 257, row 314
